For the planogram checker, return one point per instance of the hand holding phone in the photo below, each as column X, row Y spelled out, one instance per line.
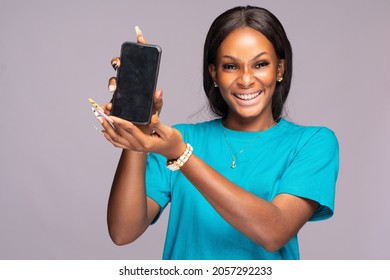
column 136, row 82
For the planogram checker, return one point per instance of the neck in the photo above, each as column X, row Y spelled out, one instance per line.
column 248, row 124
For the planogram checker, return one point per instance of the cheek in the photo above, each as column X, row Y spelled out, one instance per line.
column 225, row 93
column 267, row 79
column 226, row 79
column 224, row 88
column 225, row 82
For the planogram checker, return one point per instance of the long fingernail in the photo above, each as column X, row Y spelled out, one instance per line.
column 115, row 62
column 94, row 104
column 160, row 94
column 97, row 115
column 111, row 84
column 138, row 31
column 111, row 89
column 102, row 114
column 98, row 130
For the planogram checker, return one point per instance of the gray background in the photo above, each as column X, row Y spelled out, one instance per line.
column 56, row 170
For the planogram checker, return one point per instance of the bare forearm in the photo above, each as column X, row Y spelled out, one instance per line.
column 127, row 214
column 262, row 221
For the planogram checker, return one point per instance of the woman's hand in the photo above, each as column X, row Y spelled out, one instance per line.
column 163, row 140
column 154, row 137
column 112, row 84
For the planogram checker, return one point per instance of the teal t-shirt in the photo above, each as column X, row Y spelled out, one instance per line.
column 287, row 158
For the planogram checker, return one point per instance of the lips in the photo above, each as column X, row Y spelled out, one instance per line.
column 247, row 96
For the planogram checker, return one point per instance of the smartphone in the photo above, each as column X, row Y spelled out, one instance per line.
column 136, row 82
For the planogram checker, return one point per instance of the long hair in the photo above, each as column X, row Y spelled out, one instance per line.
column 266, row 23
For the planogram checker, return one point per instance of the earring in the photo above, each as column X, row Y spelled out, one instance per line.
column 215, row 84
column 278, row 70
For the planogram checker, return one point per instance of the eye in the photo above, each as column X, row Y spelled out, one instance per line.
column 261, row 64
column 229, row 66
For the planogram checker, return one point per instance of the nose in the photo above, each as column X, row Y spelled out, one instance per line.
column 246, row 78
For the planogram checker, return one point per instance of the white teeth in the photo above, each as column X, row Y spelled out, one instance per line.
column 247, row 96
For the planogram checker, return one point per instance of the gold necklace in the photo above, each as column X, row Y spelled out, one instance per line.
column 234, row 158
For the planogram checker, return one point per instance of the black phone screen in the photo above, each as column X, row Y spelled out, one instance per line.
column 136, row 82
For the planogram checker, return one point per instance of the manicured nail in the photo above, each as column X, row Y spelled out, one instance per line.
column 111, row 89
column 138, row 31
column 98, row 130
column 94, row 104
column 115, row 62
column 102, row 114
column 160, row 94
column 97, row 115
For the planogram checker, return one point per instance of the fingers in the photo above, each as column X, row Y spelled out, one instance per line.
column 158, row 127
column 116, row 144
column 125, row 135
column 140, row 37
column 115, row 63
column 108, row 107
column 171, row 144
column 130, row 136
column 112, row 85
column 113, row 136
column 158, row 101
column 165, row 140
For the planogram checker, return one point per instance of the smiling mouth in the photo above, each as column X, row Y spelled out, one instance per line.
column 247, row 96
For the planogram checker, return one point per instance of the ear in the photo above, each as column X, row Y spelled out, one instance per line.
column 280, row 69
column 213, row 72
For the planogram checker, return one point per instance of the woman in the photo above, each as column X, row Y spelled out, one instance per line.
column 249, row 179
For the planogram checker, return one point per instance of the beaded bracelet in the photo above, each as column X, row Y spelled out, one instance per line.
column 176, row 164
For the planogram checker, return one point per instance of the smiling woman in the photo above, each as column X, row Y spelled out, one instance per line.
column 273, row 37
column 245, row 182
column 246, row 71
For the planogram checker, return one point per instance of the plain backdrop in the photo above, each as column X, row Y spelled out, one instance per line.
column 56, row 170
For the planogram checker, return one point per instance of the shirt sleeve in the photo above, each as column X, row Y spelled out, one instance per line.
column 313, row 171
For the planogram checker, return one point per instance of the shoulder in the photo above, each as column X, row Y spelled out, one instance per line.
column 321, row 135
column 196, row 128
column 313, row 166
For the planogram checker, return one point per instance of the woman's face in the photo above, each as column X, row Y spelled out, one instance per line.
column 246, row 72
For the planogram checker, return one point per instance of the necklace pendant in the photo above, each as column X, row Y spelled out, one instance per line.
column 233, row 164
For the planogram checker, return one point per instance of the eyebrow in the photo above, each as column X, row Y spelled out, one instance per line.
column 236, row 59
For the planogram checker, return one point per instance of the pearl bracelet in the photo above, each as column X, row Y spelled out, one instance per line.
column 176, row 164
